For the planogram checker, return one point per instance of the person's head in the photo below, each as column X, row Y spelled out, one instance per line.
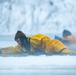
column 19, row 35
column 22, row 40
column 66, row 33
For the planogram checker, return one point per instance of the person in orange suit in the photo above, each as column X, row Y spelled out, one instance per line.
column 67, row 38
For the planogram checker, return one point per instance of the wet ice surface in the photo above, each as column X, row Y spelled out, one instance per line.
column 38, row 72
column 22, row 64
column 38, row 65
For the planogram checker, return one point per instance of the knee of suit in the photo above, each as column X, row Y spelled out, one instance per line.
column 57, row 45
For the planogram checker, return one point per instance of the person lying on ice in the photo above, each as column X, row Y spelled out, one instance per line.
column 36, row 43
column 67, row 38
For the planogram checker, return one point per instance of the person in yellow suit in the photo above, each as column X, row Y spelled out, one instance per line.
column 36, row 43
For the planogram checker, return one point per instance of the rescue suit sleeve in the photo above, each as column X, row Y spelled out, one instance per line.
column 11, row 50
